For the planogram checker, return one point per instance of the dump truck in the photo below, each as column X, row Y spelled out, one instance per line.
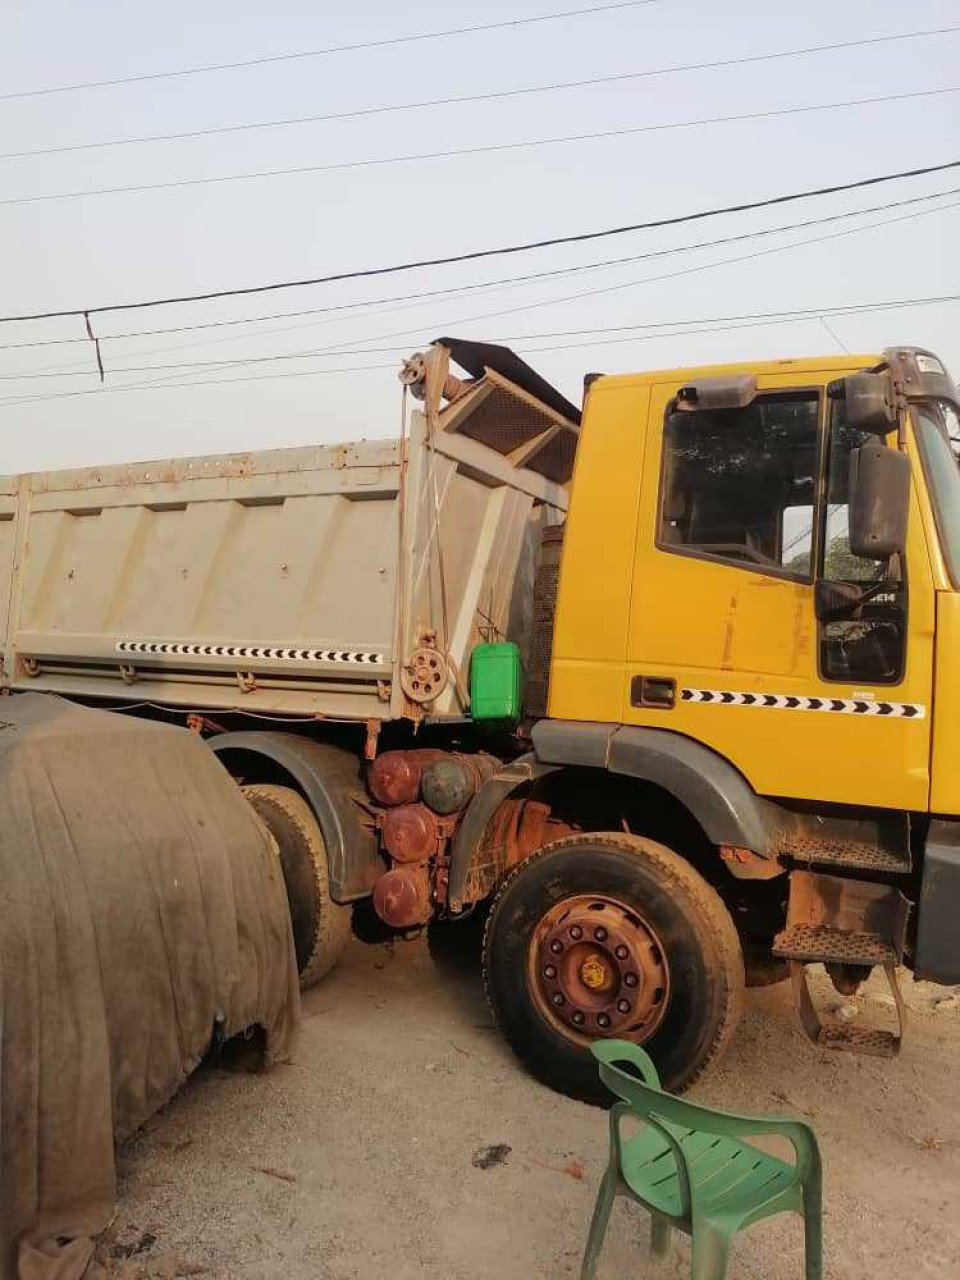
column 666, row 687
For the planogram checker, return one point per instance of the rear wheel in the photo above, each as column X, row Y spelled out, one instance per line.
column 612, row 935
column 321, row 927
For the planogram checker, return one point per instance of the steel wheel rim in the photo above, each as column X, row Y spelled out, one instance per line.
column 596, row 968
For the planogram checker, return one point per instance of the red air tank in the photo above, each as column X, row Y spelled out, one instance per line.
column 394, row 777
column 410, row 833
column 401, row 897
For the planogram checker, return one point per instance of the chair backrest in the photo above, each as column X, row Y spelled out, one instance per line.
column 644, row 1096
column 646, row 1099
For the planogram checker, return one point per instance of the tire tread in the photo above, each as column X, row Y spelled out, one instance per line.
column 333, row 920
column 672, row 869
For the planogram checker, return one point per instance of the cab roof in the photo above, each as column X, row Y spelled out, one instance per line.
column 803, row 366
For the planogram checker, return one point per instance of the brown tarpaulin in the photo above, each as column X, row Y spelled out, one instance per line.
column 140, row 900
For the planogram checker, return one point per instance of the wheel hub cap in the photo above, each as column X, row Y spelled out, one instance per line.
column 593, row 973
column 596, row 968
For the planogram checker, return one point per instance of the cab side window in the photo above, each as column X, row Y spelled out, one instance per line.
column 870, row 647
column 739, row 484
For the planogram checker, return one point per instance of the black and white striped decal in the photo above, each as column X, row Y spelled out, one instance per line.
column 157, row 648
column 794, row 702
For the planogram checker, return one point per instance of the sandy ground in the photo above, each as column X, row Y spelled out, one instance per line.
column 361, row 1158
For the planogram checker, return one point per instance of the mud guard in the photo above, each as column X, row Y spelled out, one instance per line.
column 329, row 778
column 482, row 808
column 708, row 786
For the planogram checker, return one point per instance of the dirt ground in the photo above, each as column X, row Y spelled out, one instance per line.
column 406, row 1141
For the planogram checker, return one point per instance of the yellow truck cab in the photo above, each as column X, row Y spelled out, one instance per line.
column 754, row 703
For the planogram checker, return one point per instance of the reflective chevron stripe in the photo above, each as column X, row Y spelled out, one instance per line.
column 794, row 702
column 158, row 648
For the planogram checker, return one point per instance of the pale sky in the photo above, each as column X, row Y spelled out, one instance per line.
column 88, row 251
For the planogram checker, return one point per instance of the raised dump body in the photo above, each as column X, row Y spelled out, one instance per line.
column 338, row 581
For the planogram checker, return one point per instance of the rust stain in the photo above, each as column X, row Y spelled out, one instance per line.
column 729, row 629
column 801, row 636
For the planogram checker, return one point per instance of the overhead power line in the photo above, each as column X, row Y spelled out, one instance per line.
column 681, row 272
column 644, row 332
column 474, row 255
column 161, row 385
column 342, row 350
column 329, row 50
column 755, row 320
column 487, row 149
column 507, row 282
column 496, row 95
column 737, row 319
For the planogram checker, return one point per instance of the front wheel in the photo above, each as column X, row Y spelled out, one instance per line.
column 611, row 935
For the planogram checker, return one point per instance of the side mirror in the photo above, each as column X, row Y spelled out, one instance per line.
column 879, row 493
column 870, row 403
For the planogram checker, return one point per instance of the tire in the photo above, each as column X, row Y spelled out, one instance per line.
column 665, row 912
column 321, row 927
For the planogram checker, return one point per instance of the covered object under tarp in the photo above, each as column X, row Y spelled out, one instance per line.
column 141, row 907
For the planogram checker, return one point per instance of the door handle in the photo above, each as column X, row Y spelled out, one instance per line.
column 657, row 692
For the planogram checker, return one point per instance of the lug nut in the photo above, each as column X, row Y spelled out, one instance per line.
column 576, row 932
column 578, row 1018
column 621, row 952
column 550, row 971
column 623, row 1006
column 600, row 934
column 603, row 1020
column 630, row 979
column 558, row 999
column 556, row 946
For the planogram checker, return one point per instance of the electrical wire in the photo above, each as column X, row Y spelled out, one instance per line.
column 75, row 369
column 327, row 51
column 432, row 294
column 668, row 275
column 162, row 385
column 498, row 148
column 673, row 275
column 492, row 96
column 502, row 250
column 165, row 383
column 636, row 333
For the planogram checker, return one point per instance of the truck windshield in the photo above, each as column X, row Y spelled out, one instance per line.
column 938, row 426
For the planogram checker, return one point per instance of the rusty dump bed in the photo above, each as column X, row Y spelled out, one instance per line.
column 291, row 581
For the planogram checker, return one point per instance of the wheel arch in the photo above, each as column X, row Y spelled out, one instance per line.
column 706, row 784
column 689, row 785
column 328, row 778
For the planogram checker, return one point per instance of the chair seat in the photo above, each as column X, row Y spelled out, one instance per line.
column 730, row 1176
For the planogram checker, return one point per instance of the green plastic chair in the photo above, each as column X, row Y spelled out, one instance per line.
column 689, row 1169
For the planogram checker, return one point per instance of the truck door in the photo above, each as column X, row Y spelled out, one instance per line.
column 740, row 511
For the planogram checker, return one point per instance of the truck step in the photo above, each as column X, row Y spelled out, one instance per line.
column 866, row 1040
column 811, row 944
column 848, row 841
column 850, row 855
column 872, row 1041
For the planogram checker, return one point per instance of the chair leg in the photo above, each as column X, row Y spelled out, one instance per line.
column 813, row 1231
column 598, row 1225
column 711, row 1251
column 661, row 1234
